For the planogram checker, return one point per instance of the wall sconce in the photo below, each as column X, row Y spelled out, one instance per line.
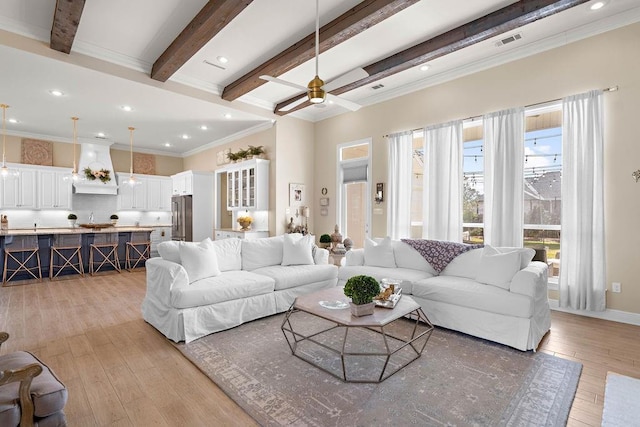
column 636, row 175
column 379, row 198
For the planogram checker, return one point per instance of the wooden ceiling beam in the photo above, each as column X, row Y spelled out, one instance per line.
column 506, row 19
column 66, row 19
column 351, row 23
column 213, row 17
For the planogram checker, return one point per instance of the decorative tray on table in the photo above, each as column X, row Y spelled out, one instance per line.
column 96, row 225
column 389, row 296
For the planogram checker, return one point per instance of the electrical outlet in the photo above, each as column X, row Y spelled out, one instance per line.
column 616, row 287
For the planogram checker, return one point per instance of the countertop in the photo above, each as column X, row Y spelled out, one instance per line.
column 238, row 230
column 69, row 230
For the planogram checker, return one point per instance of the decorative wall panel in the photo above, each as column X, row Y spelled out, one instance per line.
column 36, row 152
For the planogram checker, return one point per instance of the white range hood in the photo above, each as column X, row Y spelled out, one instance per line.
column 95, row 157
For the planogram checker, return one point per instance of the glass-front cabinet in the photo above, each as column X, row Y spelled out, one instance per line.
column 248, row 185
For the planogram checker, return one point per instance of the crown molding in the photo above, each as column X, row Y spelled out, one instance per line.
column 124, row 147
column 197, row 84
column 12, row 26
column 233, row 137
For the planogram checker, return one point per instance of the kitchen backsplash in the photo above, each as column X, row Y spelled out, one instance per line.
column 102, row 206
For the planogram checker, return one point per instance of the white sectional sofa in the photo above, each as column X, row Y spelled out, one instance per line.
column 195, row 289
column 493, row 293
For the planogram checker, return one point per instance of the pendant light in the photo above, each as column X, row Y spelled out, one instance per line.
column 132, row 181
column 316, row 94
column 5, row 172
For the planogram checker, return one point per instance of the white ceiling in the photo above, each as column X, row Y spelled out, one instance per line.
column 133, row 34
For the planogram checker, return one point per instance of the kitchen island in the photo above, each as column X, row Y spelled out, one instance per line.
column 45, row 237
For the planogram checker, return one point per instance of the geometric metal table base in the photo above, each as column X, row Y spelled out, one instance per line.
column 344, row 339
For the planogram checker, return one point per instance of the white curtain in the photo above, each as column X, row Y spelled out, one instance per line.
column 442, row 203
column 582, row 268
column 399, row 189
column 504, row 177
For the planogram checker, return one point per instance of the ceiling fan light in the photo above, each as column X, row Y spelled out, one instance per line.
column 316, row 94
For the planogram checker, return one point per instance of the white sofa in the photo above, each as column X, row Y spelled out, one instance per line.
column 513, row 309
column 195, row 289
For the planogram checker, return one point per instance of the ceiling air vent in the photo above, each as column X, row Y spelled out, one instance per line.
column 376, row 87
column 213, row 65
column 509, row 39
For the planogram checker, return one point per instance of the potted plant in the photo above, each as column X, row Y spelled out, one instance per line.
column 233, row 156
column 243, row 154
column 72, row 218
column 114, row 219
column 361, row 289
column 325, row 241
column 256, row 151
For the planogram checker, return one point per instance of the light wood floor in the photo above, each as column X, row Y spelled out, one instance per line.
column 121, row 371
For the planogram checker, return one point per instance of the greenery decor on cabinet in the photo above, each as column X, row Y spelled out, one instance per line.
column 361, row 289
column 256, row 151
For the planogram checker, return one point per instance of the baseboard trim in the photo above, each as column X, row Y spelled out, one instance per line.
column 608, row 314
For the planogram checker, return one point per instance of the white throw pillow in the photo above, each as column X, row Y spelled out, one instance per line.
column 407, row 257
column 297, row 250
column 380, row 254
column 257, row 253
column 199, row 260
column 169, row 251
column 229, row 254
column 526, row 254
column 497, row 268
column 464, row 265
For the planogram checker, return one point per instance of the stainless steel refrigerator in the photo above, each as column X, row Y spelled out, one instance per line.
column 181, row 218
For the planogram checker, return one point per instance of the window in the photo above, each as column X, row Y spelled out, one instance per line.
column 473, row 183
column 542, row 183
column 417, row 175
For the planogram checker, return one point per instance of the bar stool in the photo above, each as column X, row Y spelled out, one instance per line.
column 138, row 249
column 105, row 249
column 67, row 247
column 20, row 250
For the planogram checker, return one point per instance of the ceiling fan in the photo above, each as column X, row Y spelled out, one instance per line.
column 317, row 91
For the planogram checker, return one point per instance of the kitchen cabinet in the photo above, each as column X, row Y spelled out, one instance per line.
column 159, row 192
column 239, row 234
column 159, row 235
column 54, row 189
column 182, row 184
column 131, row 197
column 248, row 185
column 19, row 191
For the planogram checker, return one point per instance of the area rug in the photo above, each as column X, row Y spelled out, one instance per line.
column 621, row 401
column 458, row 381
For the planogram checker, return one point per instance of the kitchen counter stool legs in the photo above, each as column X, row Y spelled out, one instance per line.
column 138, row 250
column 103, row 252
column 19, row 251
column 66, row 248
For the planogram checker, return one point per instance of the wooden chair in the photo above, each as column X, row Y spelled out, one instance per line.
column 19, row 251
column 103, row 252
column 138, row 250
column 30, row 393
column 67, row 249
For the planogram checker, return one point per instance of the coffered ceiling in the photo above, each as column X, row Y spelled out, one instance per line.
column 117, row 42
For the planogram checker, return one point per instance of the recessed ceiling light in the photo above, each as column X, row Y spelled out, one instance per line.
column 330, row 102
column 100, row 135
column 12, row 120
column 222, row 59
column 424, row 67
column 203, row 127
column 227, row 116
column 185, row 136
column 166, row 144
column 597, row 5
column 56, row 92
column 127, row 108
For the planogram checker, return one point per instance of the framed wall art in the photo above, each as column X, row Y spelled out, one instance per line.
column 296, row 194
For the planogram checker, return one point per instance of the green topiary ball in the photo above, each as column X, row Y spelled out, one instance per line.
column 361, row 289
